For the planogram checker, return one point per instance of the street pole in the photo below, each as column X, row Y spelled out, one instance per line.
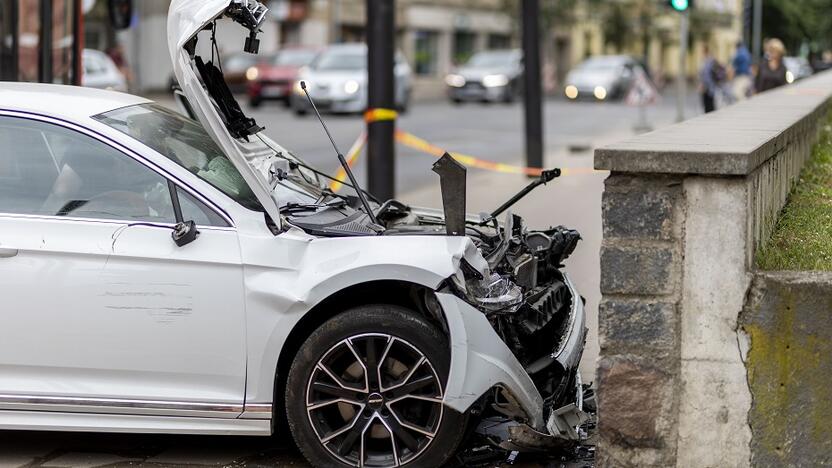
column 532, row 84
column 381, row 115
column 681, row 80
column 757, row 38
column 45, row 72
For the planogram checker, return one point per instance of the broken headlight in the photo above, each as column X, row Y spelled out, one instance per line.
column 491, row 293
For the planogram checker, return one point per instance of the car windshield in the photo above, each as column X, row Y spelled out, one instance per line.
column 492, row 59
column 294, row 58
column 348, row 61
column 238, row 62
column 185, row 142
column 601, row 64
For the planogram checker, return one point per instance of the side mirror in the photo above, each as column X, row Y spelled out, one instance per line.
column 184, row 233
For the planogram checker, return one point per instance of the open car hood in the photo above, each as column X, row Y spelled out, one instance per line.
column 208, row 96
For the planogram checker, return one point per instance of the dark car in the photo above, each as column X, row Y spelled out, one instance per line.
column 273, row 78
column 235, row 66
column 489, row 76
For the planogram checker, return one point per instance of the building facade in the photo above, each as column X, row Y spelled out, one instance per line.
column 437, row 35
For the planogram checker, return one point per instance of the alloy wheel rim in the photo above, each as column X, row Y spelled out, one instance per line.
column 375, row 400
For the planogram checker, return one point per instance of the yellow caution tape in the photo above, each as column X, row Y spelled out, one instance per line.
column 379, row 115
column 414, row 142
column 352, row 157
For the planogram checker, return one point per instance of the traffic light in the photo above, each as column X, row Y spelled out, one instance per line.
column 681, row 5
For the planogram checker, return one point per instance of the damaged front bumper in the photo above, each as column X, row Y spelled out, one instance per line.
column 481, row 361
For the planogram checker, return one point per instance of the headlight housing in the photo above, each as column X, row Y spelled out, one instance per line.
column 491, row 294
column 494, row 81
column 455, row 81
column 298, row 90
column 571, row 91
column 351, row 87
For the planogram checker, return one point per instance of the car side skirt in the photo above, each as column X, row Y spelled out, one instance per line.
column 91, row 422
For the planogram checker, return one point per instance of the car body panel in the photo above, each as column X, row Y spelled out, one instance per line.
column 480, row 360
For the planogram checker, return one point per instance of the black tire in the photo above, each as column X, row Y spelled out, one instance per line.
column 300, row 111
column 362, row 330
column 255, row 102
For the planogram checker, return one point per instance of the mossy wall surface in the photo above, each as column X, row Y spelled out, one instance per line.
column 788, row 320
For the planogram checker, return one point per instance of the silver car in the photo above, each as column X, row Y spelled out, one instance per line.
column 602, row 77
column 337, row 81
column 489, row 76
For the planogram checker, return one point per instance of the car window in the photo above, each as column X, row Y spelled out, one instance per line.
column 184, row 142
column 341, row 60
column 294, row 58
column 196, row 211
column 50, row 170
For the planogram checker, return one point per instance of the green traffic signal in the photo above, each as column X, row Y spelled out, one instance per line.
column 680, row 5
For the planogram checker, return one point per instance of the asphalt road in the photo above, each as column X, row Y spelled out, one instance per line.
column 491, row 132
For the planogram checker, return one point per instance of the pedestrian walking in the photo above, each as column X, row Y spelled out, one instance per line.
column 772, row 72
column 711, row 77
column 741, row 64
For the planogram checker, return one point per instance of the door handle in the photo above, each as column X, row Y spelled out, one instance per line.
column 6, row 252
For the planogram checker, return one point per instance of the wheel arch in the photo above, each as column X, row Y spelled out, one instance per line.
column 407, row 294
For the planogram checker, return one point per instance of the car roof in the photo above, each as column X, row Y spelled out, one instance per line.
column 66, row 102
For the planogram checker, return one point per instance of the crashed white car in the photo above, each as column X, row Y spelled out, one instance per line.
column 162, row 274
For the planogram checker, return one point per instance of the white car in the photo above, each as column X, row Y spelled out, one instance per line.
column 337, row 79
column 167, row 275
column 101, row 72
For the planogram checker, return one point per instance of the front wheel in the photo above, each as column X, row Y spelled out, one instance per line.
column 366, row 389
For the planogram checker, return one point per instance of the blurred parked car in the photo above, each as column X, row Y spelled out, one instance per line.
column 101, row 72
column 489, row 76
column 797, row 68
column 601, row 77
column 273, row 79
column 337, row 81
column 235, row 66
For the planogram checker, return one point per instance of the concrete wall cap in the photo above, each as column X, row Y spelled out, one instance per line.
column 733, row 141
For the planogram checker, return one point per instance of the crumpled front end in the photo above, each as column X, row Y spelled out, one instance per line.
column 518, row 333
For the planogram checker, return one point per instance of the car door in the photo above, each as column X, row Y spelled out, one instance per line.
column 102, row 311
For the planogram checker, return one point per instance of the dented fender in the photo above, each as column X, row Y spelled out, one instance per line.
column 480, row 360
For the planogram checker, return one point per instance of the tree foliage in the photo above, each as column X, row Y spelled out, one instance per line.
column 798, row 22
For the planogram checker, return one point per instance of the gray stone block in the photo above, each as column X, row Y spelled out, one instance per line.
column 636, row 327
column 637, row 270
column 636, row 409
column 646, row 214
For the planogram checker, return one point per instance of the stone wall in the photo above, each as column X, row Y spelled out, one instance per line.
column 684, row 210
column 789, row 368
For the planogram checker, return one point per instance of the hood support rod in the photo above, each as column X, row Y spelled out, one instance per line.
column 545, row 177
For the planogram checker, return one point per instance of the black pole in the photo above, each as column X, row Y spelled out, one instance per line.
column 381, row 117
column 532, row 85
column 12, row 73
column 45, row 46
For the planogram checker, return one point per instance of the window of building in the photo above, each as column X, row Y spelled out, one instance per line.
column 499, row 41
column 464, row 46
column 426, row 47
